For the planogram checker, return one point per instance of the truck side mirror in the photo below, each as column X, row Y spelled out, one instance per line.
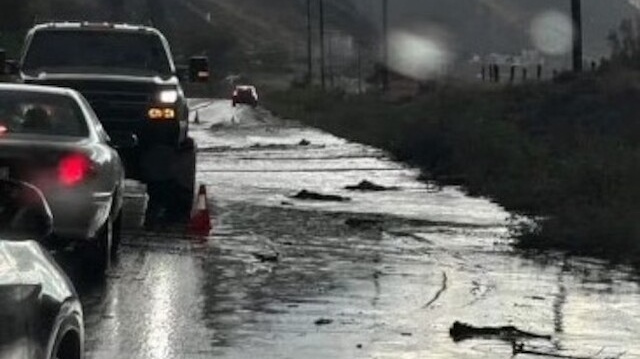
column 182, row 72
column 10, row 67
column 3, row 62
column 199, row 69
column 7, row 67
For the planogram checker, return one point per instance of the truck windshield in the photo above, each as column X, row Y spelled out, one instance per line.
column 97, row 51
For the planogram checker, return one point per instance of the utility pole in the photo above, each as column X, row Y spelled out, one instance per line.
column 385, row 45
column 359, row 68
column 309, row 46
column 323, row 79
column 576, row 14
column 330, row 60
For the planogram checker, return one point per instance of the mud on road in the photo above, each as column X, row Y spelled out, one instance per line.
column 384, row 274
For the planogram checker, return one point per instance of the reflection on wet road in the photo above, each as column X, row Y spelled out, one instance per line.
column 382, row 275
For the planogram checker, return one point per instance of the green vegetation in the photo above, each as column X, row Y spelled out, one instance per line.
column 566, row 153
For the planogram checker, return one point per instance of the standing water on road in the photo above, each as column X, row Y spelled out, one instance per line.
column 300, row 266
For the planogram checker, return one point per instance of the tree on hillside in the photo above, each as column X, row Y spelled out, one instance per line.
column 625, row 44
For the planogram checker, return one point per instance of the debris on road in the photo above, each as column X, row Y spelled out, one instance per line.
column 442, row 289
column 218, row 126
column 537, row 297
column 313, row 196
column 367, row 186
column 270, row 146
column 267, row 258
column 462, row 331
column 361, row 223
column 323, row 321
column 519, row 348
column 283, row 146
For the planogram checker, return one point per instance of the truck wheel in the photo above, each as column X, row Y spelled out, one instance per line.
column 172, row 199
column 117, row 235
column 185, row 180
column 97, row 255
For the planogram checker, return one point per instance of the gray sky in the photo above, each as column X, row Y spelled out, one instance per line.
column 501, row 25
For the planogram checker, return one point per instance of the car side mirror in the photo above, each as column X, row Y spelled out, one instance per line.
column 199, row 69
column 24, row 212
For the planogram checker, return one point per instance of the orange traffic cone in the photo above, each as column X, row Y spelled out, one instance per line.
column 200, row 224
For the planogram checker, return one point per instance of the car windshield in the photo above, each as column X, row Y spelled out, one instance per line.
column 26, row 114
column 97, row 51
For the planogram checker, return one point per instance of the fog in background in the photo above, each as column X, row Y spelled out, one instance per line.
column 468, row 27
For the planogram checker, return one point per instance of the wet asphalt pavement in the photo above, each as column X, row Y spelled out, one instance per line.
column 381, row 274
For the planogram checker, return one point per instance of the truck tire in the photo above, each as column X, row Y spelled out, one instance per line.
column 171, row 199
column 97, row 255
column 116, row 235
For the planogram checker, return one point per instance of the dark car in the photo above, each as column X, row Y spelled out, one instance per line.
column 50, row 137
column 40, row 313
column 245, row 94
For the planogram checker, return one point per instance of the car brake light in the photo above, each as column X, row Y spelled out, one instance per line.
column 3, row 130
column 73, row 169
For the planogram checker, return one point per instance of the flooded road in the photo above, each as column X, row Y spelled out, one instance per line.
column 369, row 274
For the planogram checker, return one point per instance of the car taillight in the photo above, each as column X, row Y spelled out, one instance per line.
column 73, row 169
column 3, row 130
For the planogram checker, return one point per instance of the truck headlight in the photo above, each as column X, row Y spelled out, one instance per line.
column 168, row 96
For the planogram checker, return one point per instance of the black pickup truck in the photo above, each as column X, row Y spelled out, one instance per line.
column 128, row 75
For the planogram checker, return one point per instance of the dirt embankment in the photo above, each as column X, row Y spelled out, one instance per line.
column 568, row 152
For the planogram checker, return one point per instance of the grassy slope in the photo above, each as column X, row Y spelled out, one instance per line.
column 566, row 152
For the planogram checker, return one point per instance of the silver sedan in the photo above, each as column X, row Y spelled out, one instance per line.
column 51, row 137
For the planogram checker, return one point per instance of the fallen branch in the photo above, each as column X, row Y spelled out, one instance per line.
column 313, row 196
column 443, row 288
column 461, row 331
column 519, row 348
column 367, row 186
